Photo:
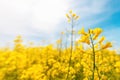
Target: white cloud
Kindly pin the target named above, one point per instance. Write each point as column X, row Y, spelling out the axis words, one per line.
column 30, row 18
column 47, row 14
column 14, row 16
column 21, row 16
column 41, row 18
column 90, row 7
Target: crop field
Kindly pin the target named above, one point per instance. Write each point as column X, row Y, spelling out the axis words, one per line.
column 87, row 57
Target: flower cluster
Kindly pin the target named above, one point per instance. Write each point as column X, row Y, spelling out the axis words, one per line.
column 79, row 62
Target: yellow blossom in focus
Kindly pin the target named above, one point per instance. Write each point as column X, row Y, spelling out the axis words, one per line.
column 96, row 32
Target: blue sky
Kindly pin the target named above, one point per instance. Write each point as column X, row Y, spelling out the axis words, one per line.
column 38, row 20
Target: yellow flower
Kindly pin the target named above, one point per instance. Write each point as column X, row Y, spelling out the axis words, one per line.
column 77, row 65
column 62, row 33
column 31, row 43
column 68, row 16
column 69, row 20
column 103, row 77
column 73, row 15
column 96, row 32
column 85, row 39
column 58, row 41
column 70, row 11
column 18, row 39
column 117, row 64
column 90, row 31
column 85, row 78
column 101, row 39
column 107, row 45
column 77, row 17
column 82, row 31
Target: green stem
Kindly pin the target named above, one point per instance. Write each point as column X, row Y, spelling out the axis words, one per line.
column 98, row 73
column 70, row 52
column 93, row 49
column 60, row 50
